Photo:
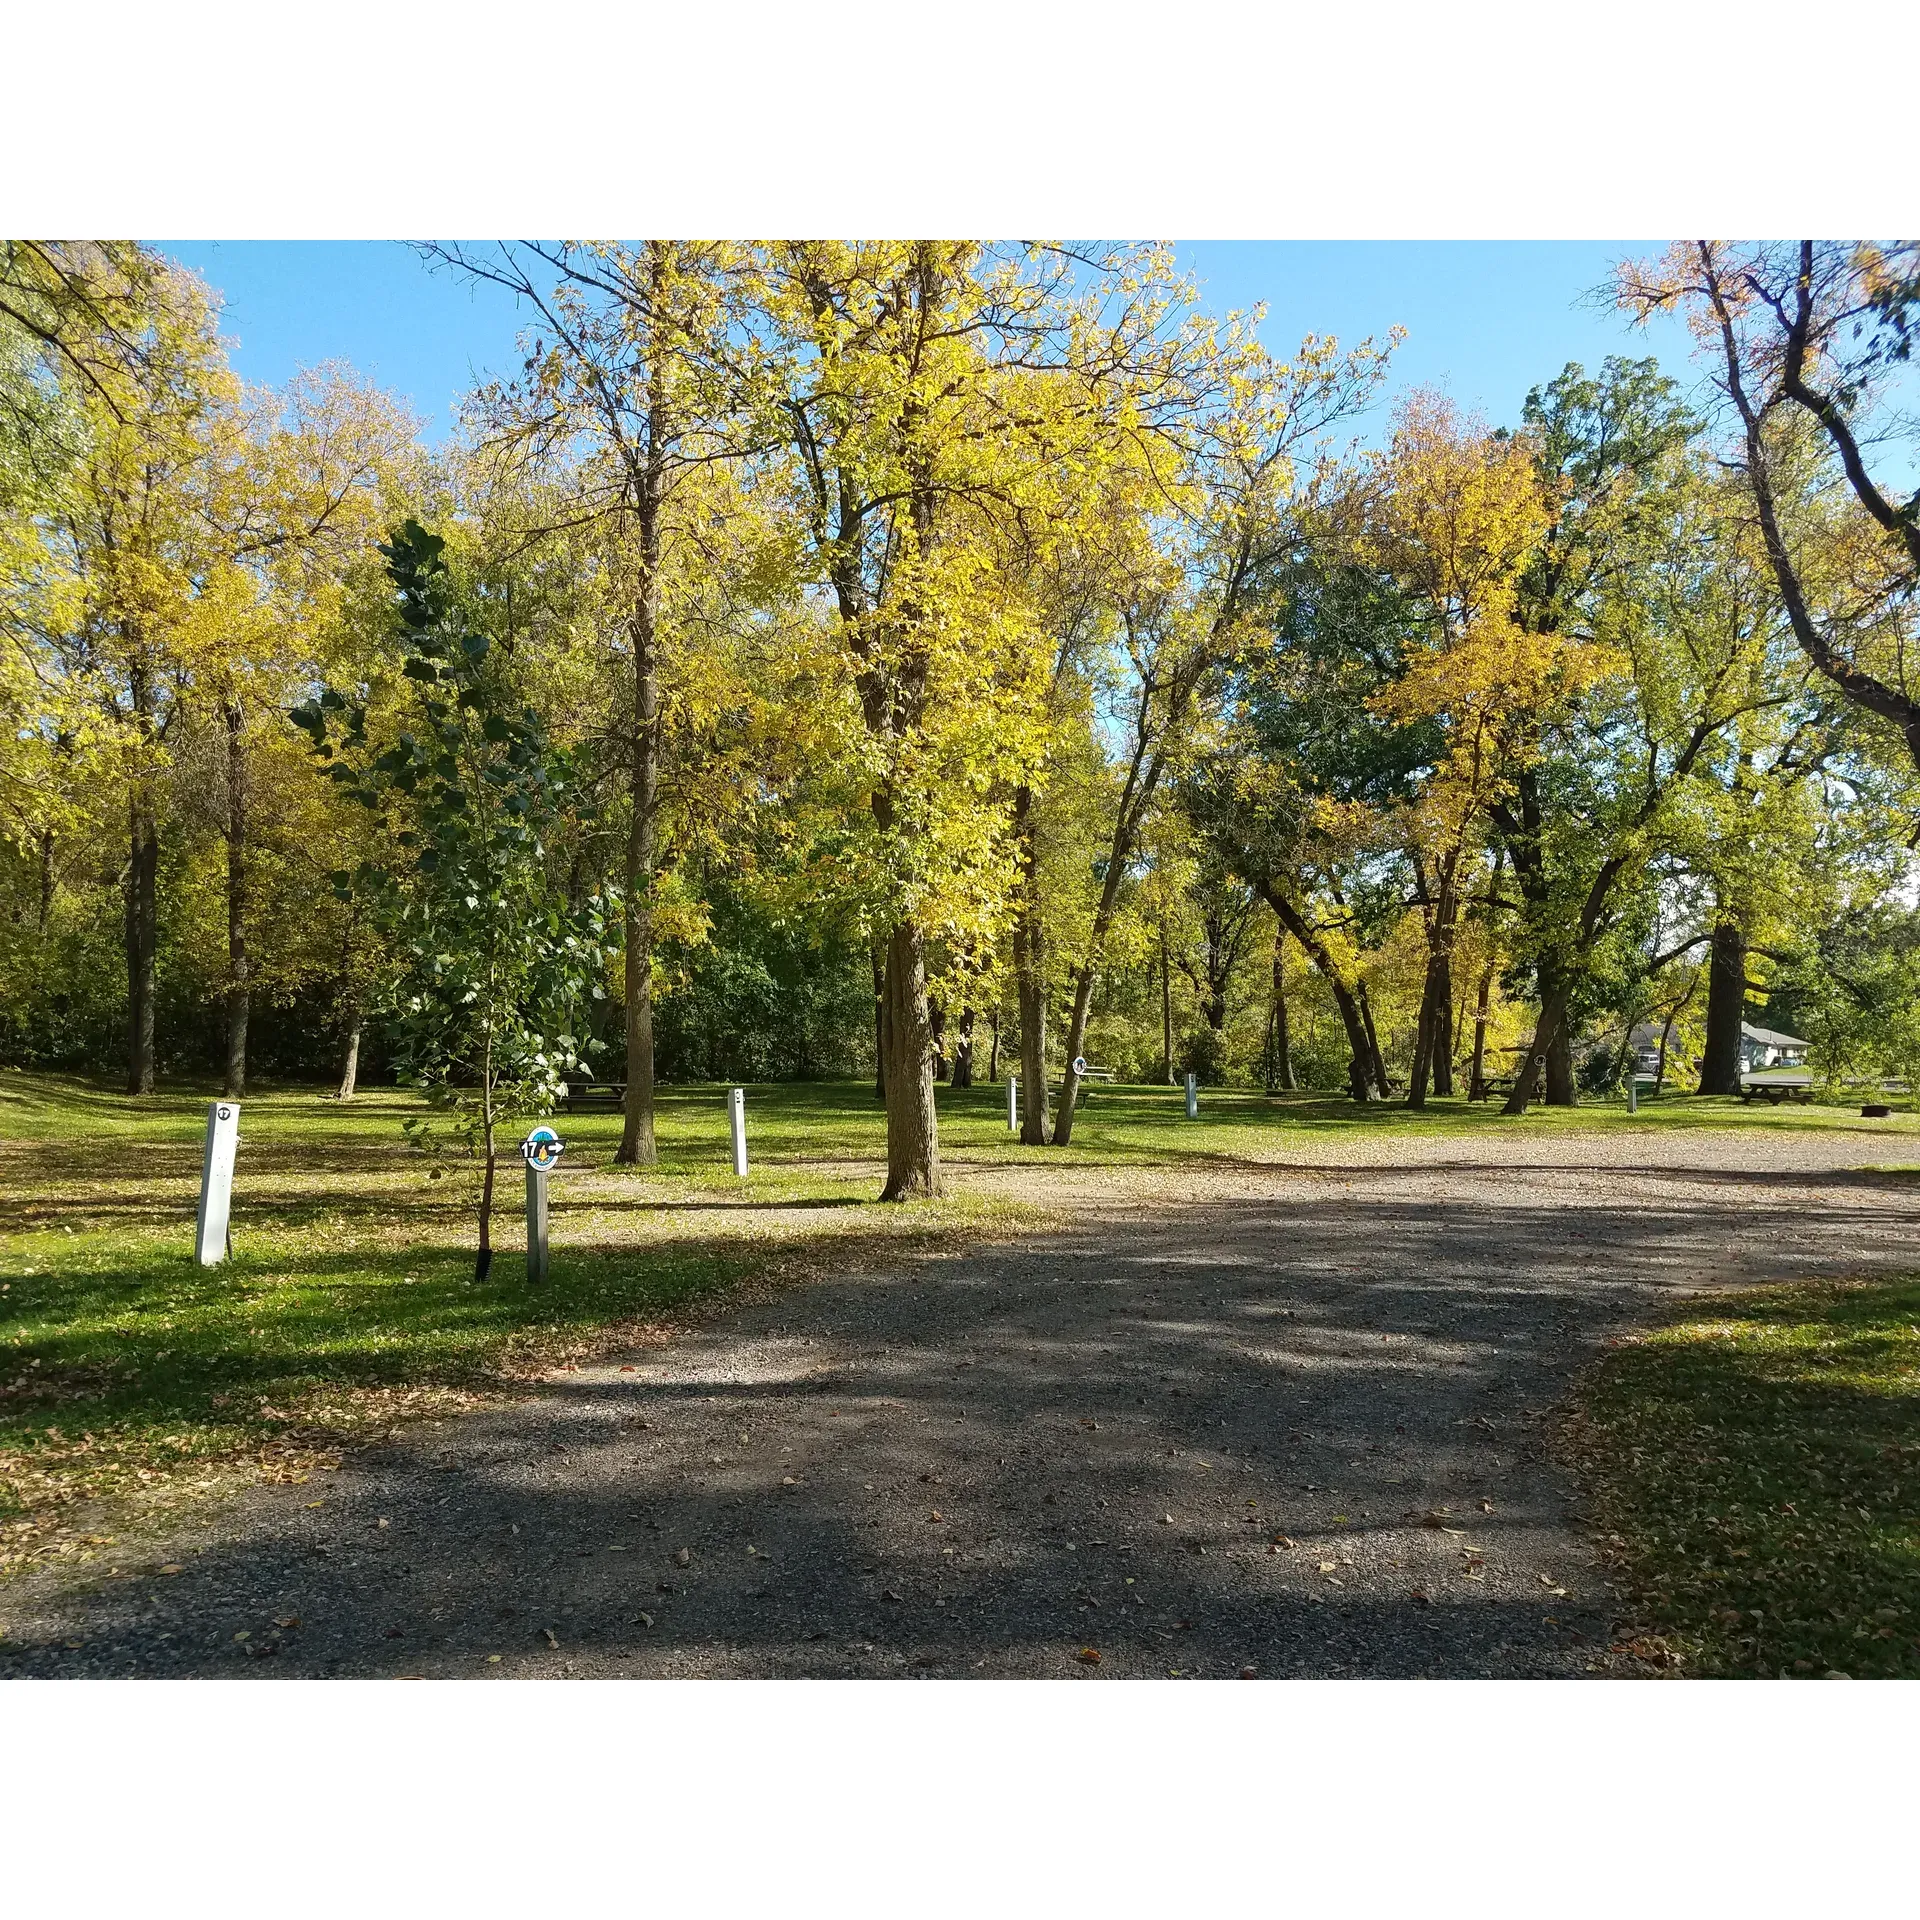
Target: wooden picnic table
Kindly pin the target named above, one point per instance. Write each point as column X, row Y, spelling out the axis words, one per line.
column 1775, row 1084
column 596, row 1096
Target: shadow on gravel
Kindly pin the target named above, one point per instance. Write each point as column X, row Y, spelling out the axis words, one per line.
column 1295, row 1434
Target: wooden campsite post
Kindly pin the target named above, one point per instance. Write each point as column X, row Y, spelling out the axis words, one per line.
column 541, row 1150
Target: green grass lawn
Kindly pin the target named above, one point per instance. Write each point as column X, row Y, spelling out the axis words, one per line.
column 1757, row 1468
column 129, row 1375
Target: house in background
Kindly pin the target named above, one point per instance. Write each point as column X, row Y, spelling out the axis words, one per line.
column 1761, row 1051
column 1761, row 1047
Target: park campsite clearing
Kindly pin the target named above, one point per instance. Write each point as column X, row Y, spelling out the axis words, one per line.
column 1279, row 1391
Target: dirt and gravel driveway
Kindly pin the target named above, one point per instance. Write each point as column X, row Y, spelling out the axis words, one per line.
column 1285, row 1420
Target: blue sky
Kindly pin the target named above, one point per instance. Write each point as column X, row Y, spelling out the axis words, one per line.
column 1486, row 320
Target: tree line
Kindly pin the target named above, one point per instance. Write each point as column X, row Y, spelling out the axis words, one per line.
column 945, row 658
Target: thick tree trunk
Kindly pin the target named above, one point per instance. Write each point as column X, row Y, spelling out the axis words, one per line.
column 637, row 1146
column 1076, row 1043
column 350, row 1063
column 1036, row 1114
column 1477, row 1073
column 1547, row 1032
column 1423, row 1039
column 1560, row 1090
column 483, row 1257
column 142, row 925
column 1166, row 1010
column 1440, row 1052
column 1726, row 1009
column 963, row 1050
column 1029, row 960
column 1136, row 794
column 1375, row 1058
column 238, row 986
column 46, row 878
column 1360, row 1054
column 913, row 1128
column 1483, row 1003
column 937, row 1034
column 1433, row 1040
column 1281, row 1075
column 650, row 476
column 1361, row 1084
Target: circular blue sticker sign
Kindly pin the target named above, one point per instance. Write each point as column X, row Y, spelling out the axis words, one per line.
column 542, row 1148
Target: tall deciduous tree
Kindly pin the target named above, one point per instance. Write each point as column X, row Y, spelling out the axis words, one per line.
column 945, row 400
column 131, row 546
column 639, row 355
column 1458, row 516
column 1815, row 334
column 496, row 958
column 1255, row 453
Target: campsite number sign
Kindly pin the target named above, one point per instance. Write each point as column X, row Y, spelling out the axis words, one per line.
column 541, row 1150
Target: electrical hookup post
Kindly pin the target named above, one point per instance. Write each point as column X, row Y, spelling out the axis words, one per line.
column 737, row 1118
column 212, row 1234
column 1193, row 1096
column 541, row 1150
column 1013, row 1103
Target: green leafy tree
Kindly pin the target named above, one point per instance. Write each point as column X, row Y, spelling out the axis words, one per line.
column 494, row 959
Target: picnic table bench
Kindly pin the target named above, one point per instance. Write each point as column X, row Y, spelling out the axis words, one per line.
column 1776, row 1085
column 1103, row 1074
column 596, row 1096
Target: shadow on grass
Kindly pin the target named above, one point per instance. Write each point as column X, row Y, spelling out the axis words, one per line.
column 150, row 1340
column 1762, row 1462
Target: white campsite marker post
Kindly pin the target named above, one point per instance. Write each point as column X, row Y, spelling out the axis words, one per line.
column 541, row 1150
column 1013, row 1103
column 1633, row 1094
column 1193, row 1096
column 210, row 1233
column 737, row 1115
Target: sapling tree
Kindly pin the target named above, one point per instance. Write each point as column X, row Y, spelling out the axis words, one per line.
column 493, row 961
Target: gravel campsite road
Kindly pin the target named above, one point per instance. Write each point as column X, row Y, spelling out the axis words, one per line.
column 1281, row 1420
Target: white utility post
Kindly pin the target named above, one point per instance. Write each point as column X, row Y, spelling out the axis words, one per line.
column 1633, row 1094
column 1013, row 1103
column 210, row 1234
column 737, row 1113
column 1193, row 1096
column 541, row 1150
